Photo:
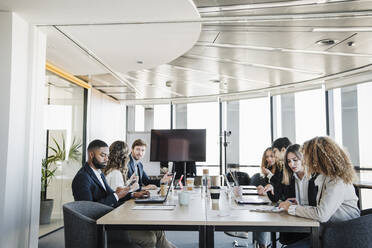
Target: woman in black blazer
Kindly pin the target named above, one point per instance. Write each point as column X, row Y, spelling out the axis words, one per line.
column 296, row 186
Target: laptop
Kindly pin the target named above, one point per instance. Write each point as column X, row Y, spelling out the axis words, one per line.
column 256, row 200
column 157, row 198
column 250, row 192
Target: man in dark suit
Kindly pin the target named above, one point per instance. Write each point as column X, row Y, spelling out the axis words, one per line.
column 89, row 184
column 135, row 166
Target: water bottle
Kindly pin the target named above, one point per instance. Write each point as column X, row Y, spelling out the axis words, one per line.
column 205, row 182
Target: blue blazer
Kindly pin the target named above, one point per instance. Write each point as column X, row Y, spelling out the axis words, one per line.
column 86, row 187
column 143, row 178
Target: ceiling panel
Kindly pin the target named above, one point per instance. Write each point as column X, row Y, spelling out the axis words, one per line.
column 268, row 8
column 264, row 50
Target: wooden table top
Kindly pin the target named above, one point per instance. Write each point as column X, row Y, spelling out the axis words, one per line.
column 241, row 214
column 193, row 214
column 200, row 211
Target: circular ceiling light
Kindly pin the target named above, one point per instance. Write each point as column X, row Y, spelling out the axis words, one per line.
column 325, row 42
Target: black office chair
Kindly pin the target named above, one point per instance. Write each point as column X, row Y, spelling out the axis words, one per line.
column 257, row 179
column 351, row 233
column 80, row 226
column 242, row 177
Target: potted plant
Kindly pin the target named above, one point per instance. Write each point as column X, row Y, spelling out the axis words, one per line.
column 48, row 173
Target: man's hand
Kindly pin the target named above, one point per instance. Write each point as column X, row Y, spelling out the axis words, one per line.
column 149, row 187
column 121, row 192
column 268, row 188
column 141, row 194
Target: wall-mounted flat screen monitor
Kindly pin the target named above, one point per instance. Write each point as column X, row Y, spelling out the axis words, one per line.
column 178, row 145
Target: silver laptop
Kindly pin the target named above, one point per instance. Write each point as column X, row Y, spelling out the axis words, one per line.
column 157, row 198
column 257, row 200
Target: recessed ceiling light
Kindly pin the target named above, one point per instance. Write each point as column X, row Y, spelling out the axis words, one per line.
column 325, row 42
column 216, row 81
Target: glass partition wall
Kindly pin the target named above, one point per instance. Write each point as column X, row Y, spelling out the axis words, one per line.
column 64, row 122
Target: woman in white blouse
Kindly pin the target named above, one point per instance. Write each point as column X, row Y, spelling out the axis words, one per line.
column 116, row 169
column 336, row 199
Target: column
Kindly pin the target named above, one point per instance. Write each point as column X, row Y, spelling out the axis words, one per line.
column 22, row 146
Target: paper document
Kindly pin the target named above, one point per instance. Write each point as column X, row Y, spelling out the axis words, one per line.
column 267, row 209
column 155, row 207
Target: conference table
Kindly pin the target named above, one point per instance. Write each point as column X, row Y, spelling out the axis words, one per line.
column 205, row 216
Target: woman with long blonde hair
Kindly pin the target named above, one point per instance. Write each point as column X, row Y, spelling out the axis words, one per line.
column 336, row 199
column 268, row 168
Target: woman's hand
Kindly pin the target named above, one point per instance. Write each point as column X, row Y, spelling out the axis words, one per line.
column 266, row 171
column 260, row 190
column 268, row 188
column 287, row 203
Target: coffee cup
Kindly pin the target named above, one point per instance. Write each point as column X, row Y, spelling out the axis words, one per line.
column 215, row 192
column 190, row 183
column 216, row 180
column 163, row 189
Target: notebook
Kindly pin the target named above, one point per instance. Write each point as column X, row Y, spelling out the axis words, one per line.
column 157, row 198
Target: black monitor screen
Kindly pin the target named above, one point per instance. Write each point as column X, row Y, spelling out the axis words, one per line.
column 178, row 145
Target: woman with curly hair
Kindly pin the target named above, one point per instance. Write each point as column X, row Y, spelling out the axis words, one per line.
column 116, row 169
column 336, row 199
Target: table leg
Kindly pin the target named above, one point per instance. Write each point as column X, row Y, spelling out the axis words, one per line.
column 273, row 239
column 102, row 237
column 315, row 242
column 210, row 236
column 202, row 237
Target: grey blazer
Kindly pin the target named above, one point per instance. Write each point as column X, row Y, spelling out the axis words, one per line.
column 336, row 201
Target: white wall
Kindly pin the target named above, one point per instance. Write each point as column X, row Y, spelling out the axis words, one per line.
column 106, row 118
column 22, row 144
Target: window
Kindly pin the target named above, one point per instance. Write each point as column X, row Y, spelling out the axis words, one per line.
column 205, row 115
column 309, row 115
column 162, row 116
column 254, row 130
column 139, row 118
column 365, row 123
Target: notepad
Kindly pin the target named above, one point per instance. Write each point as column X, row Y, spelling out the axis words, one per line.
column 267, row 209
column 155, row 207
